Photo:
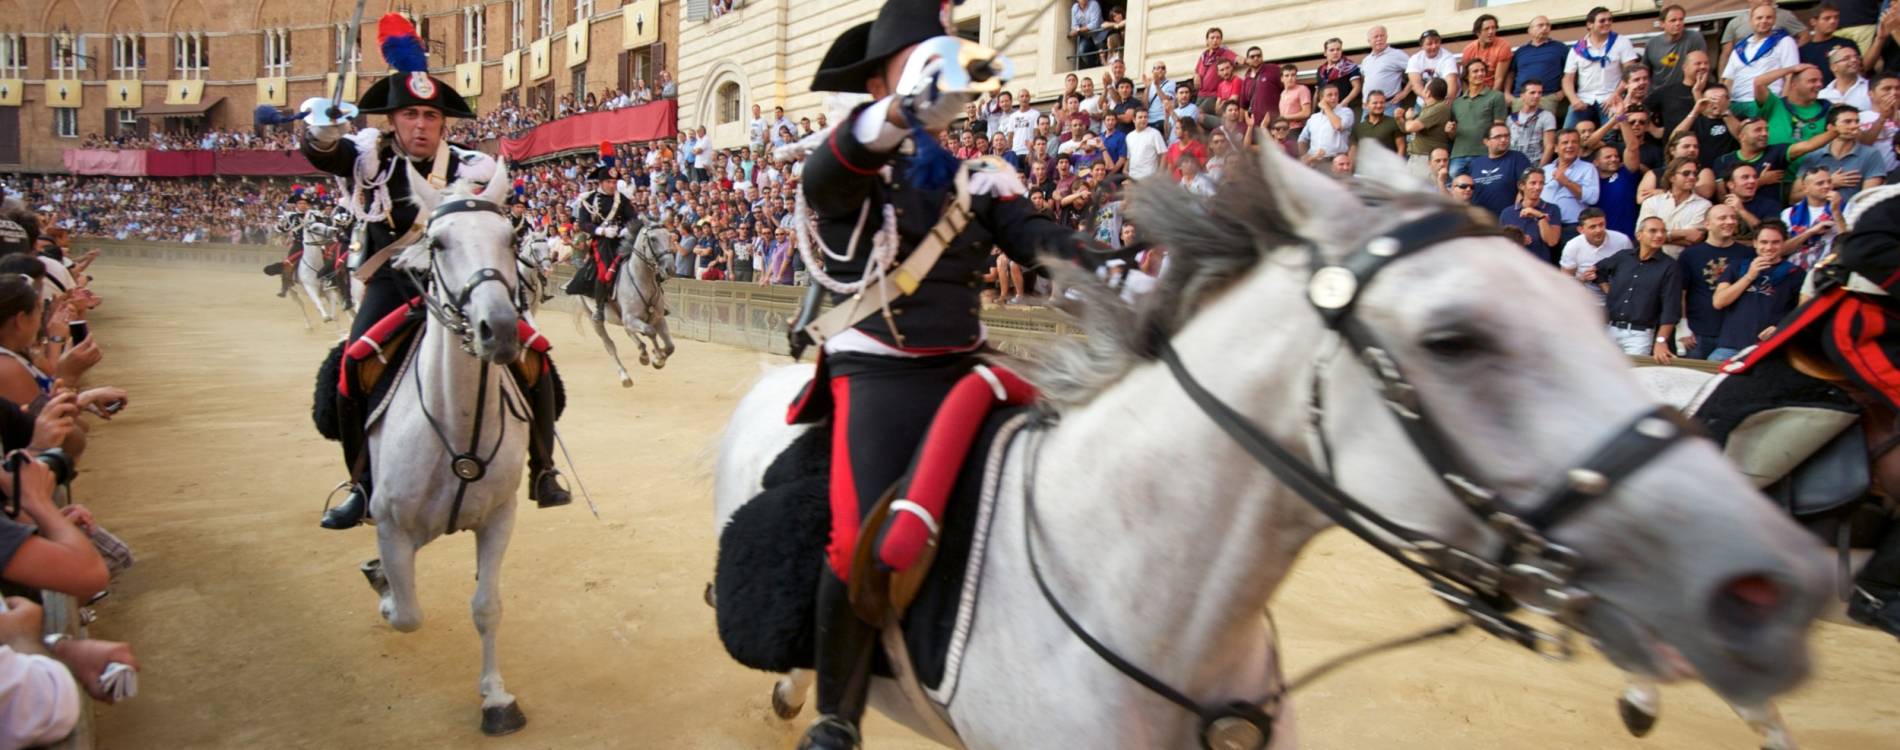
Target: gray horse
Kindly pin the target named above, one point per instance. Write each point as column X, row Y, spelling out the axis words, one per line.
column 639, row 302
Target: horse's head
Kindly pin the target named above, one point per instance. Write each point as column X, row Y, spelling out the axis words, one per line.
column 1462, row 386
column 468, row 245
column 650, row 246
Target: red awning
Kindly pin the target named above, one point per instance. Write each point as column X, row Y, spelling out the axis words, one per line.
column 647, row 122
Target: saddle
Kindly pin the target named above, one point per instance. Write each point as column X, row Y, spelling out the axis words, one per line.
column 360, row 368
column 772, row 551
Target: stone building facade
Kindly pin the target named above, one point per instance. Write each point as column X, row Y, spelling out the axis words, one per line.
column 113, row 54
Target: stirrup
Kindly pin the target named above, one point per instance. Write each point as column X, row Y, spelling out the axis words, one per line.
column 542, row 501
column 833, row 723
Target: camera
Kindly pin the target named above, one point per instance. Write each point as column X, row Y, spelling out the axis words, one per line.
column 55, row 460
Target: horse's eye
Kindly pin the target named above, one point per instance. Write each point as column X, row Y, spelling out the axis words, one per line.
column 1453, row 344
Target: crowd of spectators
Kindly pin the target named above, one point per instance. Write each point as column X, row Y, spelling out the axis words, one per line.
column 47, row 546
column 511, row 119
column 239, row 210
column 263, row 139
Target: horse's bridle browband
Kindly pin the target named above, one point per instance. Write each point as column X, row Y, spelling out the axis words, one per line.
column 1530, row 570
column 449, row 312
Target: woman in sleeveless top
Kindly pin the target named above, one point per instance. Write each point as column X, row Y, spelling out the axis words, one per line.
column 21, row 310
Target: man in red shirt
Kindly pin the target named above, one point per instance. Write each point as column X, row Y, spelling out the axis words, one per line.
column 1260, row 89
column 1207, row 68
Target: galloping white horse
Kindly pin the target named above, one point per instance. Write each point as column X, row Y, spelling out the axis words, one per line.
column 1683, row 568
column 639, row 302
column 310, row 269
column 1641, row 701
column 448, row 452
column 535, row 260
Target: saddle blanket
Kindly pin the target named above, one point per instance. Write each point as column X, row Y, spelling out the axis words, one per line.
column 772, row 554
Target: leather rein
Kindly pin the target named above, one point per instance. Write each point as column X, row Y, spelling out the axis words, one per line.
column 1530, row 570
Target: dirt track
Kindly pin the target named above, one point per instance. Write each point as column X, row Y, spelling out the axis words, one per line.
column 255, row 630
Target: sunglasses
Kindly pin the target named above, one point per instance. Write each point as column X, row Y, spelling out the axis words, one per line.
column 1461, row 186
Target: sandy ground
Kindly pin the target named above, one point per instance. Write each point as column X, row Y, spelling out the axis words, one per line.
column 255, row 630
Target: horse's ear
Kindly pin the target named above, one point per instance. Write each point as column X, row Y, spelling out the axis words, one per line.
column 426, row 196
column 1384, row 166
column 498, row 187
column 1316, row 205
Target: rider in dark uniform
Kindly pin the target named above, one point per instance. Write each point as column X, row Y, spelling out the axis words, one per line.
column 518, row 218
column 291, row 226
column 1845, row 332
column 886, row 374
column 606, row 217
column 417, row 106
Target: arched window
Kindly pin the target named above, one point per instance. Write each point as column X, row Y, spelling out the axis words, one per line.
column 728, row 99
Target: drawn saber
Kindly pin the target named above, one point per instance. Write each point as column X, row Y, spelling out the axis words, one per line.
column 573, row 469
column 334, row 110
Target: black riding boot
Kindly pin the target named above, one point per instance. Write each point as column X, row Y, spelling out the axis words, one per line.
column 1876, row 600
column 844, row 669
column 355, row 441
column 544, row 485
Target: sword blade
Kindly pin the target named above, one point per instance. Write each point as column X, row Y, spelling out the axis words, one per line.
column 576, row 472
column 347, row 64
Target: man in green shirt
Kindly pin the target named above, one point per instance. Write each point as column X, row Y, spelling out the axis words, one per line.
column 1798, row 113
column 1473, row 113
column 1427, row 129
column 1376, row 125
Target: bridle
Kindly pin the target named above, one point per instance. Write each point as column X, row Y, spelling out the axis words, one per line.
column 468, row 465
column 448, row 311
column 1530, row 570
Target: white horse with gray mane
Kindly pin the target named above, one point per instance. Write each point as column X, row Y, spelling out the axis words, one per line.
column 310, row 269
column 447, row 453
column 1641, row 701
column 639, row 301
column 1680, row 568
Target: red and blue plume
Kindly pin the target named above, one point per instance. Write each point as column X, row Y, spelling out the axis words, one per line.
column 401, row 48
column 606, row 153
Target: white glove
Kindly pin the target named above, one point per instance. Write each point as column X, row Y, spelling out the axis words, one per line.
column 323, row 136
column 610, row 231
column 932, row 108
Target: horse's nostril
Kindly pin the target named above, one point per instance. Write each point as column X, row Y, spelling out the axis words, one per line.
column 484, row 331
column 1748, row 601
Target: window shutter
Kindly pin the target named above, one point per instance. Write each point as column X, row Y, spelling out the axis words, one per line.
column 698, row 10
column 656, row 60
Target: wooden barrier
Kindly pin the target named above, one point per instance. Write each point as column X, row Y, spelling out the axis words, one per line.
column 721, row 312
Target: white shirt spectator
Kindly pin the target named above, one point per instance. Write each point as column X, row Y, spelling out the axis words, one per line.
column 1445, row 65
column 702, row 153
column 39, row 700
column 1579, row 254
column 1570, row 204
column 1597, row 80
column 1021, row 126
column 1146, row 147
column 1870, row 119
column 755, row 132
column 1689, row 214
column 1741, row 76
column 1855, row 96
column 1385, row 71
column 1319, row 134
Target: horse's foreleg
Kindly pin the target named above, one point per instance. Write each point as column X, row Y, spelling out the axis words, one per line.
column 399, row 605
column 301, row 310
column 500, row 713
column 636, row 327
column 665, row 341
column 1639, row 705
column 1765, row 719
column 316, row 298
column 600, row 327
column 788, row 694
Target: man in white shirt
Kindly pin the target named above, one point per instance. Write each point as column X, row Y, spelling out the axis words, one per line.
column 1769, row 48
column 755, row 132
column 1146, row 147
column 1594, row 67
column 1594, row 242
column 1879, row 124
column 702, row 156
column 1329, row 131
column 1384, row 69
column 1570, row 181
column 1432, row 61
column 1849, row 87
column 1021, row 124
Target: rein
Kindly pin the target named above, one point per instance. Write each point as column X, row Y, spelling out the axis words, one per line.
column 1530, row 571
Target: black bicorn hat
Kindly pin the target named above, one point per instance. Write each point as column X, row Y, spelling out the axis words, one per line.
column 863, row 48
column 410, row 85
column 602, row 173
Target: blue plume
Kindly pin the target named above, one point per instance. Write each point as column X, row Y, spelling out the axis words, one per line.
column 401, row 49
column 269, row 115
column 932, row 167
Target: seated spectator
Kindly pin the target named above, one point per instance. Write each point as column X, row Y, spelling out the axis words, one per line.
column 1534, row 217
column 1682, row 212
column 1756, row 296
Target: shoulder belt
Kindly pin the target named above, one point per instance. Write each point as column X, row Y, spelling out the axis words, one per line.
column 903, row 280
column 438, row 177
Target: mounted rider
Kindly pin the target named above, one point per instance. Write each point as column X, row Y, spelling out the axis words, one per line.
column 370, row 165
column 878, row 182
column 1845, row 332
column 291, row 225
column 606, row 217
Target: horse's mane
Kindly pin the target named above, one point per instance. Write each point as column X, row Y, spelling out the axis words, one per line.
column 1211, row 242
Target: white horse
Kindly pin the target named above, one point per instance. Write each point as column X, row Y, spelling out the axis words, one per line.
column 639, row 301
column 1641, row 701
column 1687, row 570
column 447, row 454
column 535, row 261
column 310, row 269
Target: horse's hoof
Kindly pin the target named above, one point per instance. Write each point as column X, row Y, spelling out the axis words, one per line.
column 659, row 364
column 1635, row 719
column 626, row 381
column 373, row 570
column 783, row 708
column 501, row 720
